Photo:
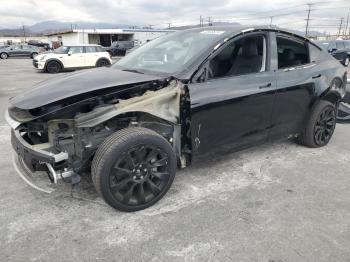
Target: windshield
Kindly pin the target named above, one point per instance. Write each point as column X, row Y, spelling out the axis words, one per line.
column 61, row 50
column 171, row 53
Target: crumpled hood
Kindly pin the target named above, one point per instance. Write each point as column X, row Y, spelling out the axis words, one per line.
column 77, row 83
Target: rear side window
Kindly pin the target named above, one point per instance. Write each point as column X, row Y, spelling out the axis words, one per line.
column 291, row 52
column 314, row 53
column 90, row 49
column 99, row 49
column 76, row 49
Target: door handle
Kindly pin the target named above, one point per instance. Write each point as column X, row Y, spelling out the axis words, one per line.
column 316, row 76
column 265, row 86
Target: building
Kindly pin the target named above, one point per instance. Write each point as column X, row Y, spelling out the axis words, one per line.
column 105, row 37
column 21, row 39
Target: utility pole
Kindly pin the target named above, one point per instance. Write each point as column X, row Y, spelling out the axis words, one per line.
column 345, row 32
column 340, row 26
column 308, row 19
column 271, row 18
column 210, row 23
column 24, row 33
column 200, row 21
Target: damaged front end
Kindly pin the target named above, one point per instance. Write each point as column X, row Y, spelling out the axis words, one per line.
column 60, row 139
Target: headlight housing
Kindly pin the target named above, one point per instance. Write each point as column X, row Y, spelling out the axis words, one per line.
column 43, row 57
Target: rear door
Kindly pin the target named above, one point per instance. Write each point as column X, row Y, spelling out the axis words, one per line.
column 296, row 77
column 91, row 55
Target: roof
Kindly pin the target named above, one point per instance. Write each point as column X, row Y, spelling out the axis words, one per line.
column 237, row 29
column 83, row 45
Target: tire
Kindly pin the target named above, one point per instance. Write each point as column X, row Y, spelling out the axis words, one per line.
column 346, row 61
column 53, row 67
column 102, row 62
column 4, row 55
column 320, row 126
column 133, row 169
column 33, row 55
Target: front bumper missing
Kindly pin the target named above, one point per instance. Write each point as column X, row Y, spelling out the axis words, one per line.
column 27, row 154
column 37, row 180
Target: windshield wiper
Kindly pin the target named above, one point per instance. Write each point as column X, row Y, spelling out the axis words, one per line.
column 133, row 71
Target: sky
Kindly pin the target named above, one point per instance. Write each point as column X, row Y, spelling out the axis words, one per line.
column 325, row 15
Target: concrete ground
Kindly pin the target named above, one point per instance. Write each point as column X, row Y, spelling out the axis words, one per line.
column 277, row 202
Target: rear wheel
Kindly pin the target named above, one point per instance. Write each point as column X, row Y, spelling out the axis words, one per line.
column 133, row 169
column 33, row 55
column 321, row 125
column 4, row 55
column 102, row 62
column 53, row 67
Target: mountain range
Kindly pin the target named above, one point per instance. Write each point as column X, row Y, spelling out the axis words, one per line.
column 55, row 26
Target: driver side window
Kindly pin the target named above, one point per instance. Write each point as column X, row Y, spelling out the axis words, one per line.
column 243, row 56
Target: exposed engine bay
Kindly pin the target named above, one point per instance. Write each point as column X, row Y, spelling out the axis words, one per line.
column 76, row 127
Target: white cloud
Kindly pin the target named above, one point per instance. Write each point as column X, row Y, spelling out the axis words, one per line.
column 326, row 16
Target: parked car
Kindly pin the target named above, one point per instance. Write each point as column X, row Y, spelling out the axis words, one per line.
column 344, row 107
column 176, row 99
column 72, row 57
column 340, row 49
column 119, row 48
column 45, row 46
column 3, row 46
column 19, row 51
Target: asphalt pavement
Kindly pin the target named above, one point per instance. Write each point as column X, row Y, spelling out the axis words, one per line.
column 276, row 202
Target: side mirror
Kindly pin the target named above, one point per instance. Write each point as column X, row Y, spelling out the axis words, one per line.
column 70, row 53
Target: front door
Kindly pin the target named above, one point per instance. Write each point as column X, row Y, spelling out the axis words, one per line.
column 233, row 108
column 75, row 57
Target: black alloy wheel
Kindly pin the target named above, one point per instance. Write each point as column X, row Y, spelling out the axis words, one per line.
column 133, row 168
column 325, row 126
column 320, row 125
column 53, row 67
column 140, row 175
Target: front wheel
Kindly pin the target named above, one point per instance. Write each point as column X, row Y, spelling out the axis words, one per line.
column 53, row 67
column 321, row 125
column 133, row 169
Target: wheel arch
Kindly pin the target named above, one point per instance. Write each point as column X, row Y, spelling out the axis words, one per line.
column 156, row 110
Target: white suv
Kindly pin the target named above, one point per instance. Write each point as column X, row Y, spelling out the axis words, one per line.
column 72, row 57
